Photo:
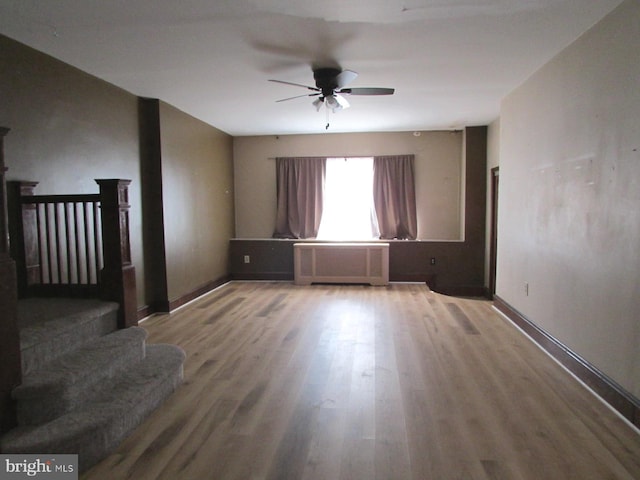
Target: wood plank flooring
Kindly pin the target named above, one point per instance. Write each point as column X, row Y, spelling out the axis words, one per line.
column 353, row 382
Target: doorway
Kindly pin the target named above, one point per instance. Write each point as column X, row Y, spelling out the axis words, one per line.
column 493, row 246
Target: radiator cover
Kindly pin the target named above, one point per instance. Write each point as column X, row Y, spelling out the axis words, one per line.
column 341, row 263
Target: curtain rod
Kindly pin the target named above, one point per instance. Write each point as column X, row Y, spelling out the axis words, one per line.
column 347, row 156
column 309, row 156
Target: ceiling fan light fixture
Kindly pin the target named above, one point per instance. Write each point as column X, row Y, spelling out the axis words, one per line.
column 332, row 103
column 318, row 103
column 336, row 102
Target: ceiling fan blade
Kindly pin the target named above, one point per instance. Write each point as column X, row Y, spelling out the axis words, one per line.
column 299, row 96
column 296, row 85
column 367, row 91
column 345, row 77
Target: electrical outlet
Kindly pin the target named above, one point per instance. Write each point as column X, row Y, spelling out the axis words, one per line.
column 247, row 259
column 433, row 260
column 526, row 289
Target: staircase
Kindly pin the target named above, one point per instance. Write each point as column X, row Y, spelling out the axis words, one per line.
column 86, row 385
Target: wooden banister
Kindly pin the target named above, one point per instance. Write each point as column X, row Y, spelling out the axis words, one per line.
column 10, row 370
column 58, row 247
column 75, row 245
column 118, row 278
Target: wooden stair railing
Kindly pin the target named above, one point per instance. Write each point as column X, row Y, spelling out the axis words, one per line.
column 10, row 371
column 75, row 245
column 60, row 251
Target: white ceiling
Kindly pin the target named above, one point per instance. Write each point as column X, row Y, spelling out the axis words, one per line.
column 450, row 61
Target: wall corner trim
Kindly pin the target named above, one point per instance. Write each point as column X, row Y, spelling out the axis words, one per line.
column 626, row 404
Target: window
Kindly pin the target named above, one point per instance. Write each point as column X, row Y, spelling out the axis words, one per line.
column 346, row 198
column 348, row 212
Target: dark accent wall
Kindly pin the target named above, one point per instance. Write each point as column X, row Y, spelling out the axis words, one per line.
column 270, row 259
column 459, row 265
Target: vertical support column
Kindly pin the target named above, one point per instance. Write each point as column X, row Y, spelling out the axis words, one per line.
column 156, row 290
column 118, row 278
column 23, row 224
column 10, row 370
column 475, row 205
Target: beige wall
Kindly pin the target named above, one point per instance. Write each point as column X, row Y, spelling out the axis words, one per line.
column 68, row 128
column 569, row 222
column 438, row 175
column 197, row 189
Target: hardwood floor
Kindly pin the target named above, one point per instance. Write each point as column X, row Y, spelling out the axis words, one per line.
column 354, row 382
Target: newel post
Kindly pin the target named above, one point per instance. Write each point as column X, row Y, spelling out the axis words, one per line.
column 10, row 371
column 118, row 277
column 23, row 226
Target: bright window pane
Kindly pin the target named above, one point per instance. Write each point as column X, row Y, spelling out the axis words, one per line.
column 348, row 212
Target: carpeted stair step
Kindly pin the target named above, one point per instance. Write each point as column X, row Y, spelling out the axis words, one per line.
column 50, row 327
column 71, row 380
column 95, row 430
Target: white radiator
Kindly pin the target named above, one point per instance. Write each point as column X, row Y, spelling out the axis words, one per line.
column 341, row 263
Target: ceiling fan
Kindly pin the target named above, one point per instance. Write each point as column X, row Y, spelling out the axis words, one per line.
column 330, row 88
